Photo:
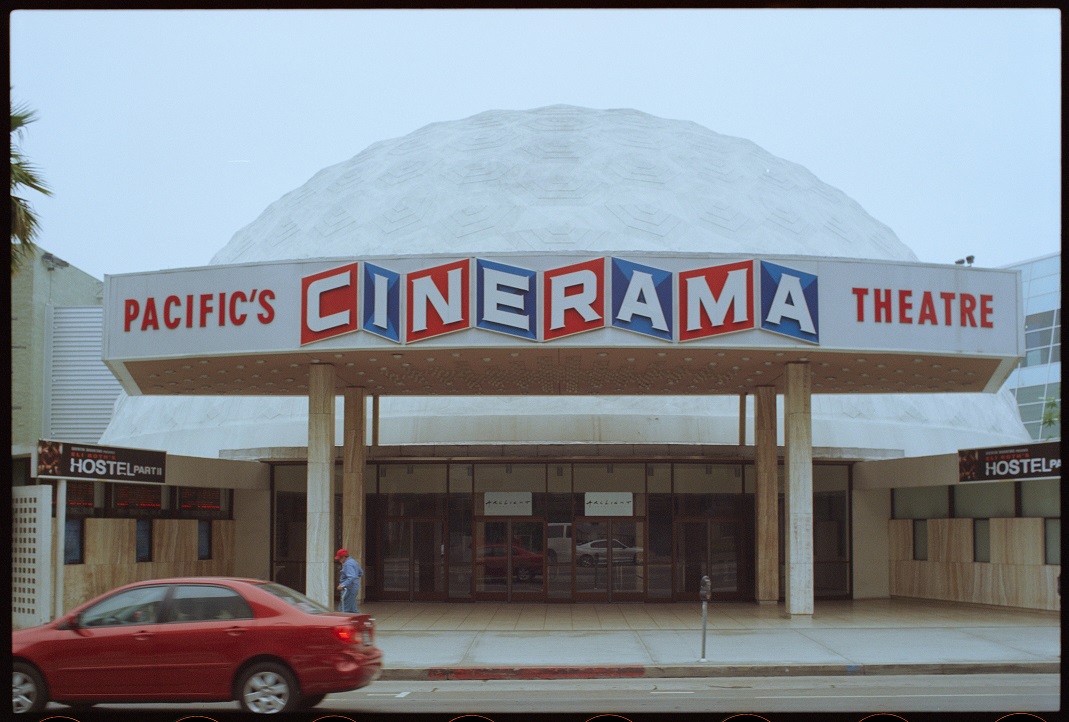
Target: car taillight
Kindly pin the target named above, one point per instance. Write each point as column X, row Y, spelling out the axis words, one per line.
column 345, row 634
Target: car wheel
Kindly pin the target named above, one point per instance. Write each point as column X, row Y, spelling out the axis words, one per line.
column 311, row 701
column 523, row 574
column 267, row 688
column 586, row 561
column 28, row 693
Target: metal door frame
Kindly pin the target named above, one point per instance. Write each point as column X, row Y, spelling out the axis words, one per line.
column 509, row 595
column 609, row 595
column 412, row 595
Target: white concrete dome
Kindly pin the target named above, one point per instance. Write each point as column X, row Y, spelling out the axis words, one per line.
column 563, row 178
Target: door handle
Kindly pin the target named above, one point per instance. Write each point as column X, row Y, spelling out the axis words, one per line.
column 235, row 631
column 143, row 635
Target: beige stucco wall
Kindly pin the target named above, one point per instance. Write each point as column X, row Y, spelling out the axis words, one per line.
column 871, row 511
column 252, row 533
column 938, row 470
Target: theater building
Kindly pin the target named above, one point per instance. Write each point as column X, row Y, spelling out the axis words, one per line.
column 576, row 355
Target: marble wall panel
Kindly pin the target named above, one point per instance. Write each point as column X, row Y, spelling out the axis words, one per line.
column 900, row 539
column 110, row 541
column 174, row 540
column 1017, row 541
column 110, row 553
column 1026, row 586
column 950, row 540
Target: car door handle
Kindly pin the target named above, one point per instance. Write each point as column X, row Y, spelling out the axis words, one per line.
column 143, row 635
column 235, row 631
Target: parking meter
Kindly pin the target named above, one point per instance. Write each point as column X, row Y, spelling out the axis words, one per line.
column 707, row 589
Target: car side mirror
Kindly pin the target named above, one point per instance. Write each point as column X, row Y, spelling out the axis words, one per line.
column 72, row 622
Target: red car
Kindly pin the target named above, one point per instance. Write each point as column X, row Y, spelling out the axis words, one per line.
column 197, row 639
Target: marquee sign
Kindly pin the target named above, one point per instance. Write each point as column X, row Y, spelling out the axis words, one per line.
column 700, row 300
column 1011, row 463
column 65, row 460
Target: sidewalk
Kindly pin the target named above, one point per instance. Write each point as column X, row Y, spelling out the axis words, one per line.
column 423, row 641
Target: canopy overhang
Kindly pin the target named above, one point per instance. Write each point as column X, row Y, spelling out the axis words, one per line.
column 564, row 325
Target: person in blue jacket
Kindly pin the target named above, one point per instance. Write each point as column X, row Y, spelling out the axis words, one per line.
column 349, row 582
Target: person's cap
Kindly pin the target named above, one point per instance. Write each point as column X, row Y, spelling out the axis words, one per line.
column 341, row 553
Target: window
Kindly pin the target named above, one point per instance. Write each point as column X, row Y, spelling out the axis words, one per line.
column 295, row 598
column 984, row 500
column 144, row 540
column 1037, row 339
column 1038, row 321
column 73, row 542
column 133, row 606
column 1036, row 357
column 204, row 539
column 1052, row 530
column 1041, row 497
column 1030, row 394
column 921, row 502
column 981, row 540
column 920, row 540
column 206, row 602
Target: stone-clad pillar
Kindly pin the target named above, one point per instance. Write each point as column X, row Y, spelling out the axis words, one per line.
column 354, row 466
column 319, row 556
column 798, row 496
column 766, row 495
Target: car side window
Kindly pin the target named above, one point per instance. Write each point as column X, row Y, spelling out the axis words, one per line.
column 207, row 602
column 132, row 606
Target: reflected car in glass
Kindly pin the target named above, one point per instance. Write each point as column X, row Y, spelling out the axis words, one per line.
column 596, row 552
column 196, row 639
column 496, row 559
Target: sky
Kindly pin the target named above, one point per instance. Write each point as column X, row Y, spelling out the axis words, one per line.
column 163, row 133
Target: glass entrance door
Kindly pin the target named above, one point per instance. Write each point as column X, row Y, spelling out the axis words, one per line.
column 709, row 547
column 609, row 559
column 509, row 559
column 413, row 560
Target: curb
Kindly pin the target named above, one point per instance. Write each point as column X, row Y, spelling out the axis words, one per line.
column 691, row 670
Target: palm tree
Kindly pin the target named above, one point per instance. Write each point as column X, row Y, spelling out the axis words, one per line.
column 1052, row 416
column 24, row 224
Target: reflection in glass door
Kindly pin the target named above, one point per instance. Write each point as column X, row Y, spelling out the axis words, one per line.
column 708, row 547
column 609, row 559
column 509, row 560
column 413, row 560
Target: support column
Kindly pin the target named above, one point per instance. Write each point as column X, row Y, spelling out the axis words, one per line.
column 742, row 419
column 798, row 496
column 375, row 420
column 319, row 556
column 766, row 497
column 59, row 548
column 354, row 467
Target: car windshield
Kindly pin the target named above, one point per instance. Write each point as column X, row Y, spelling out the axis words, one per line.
column 295, row 598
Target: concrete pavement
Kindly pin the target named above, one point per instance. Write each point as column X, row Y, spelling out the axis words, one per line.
column 546, row 641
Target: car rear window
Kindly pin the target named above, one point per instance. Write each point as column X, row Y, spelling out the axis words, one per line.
column 295, row 598
column 204, row 602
